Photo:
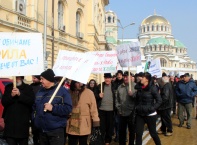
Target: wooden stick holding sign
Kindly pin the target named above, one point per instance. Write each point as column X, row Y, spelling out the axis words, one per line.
column 129, row 79
column 14, row 81
column 58, row 87
column 101, row 83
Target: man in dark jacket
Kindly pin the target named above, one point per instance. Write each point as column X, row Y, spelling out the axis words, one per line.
column 125, row 104
column 165, row 108
column 186, row 90
column 119, row 80
column 106, row 107
column 51, row 122
column 17, row 104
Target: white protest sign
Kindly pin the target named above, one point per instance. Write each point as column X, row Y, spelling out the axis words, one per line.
column 129, row 54
column 106, row 63
column 74, row 65
column 21, row 54
column 84, row 70
column 155, row 68
column 67, row 62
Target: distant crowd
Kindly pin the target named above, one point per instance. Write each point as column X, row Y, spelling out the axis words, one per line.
column 118, row 108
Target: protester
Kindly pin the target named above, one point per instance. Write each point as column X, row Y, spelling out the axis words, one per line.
column 165, row 108
column 173, row 86
column 36, row 85
column 106, row 107
column 83, row 113
column 125, row 104
column 92, row 85
column 148, row 101
column 51, row 122
column 17, row 104
column 186, row 90
column 119, row 80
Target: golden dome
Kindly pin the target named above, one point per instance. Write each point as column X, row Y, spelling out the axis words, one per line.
column 155, row 19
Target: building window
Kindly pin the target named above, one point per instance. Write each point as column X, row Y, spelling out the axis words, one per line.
column 147, row 28
column 78, row 21
column 152, row 28
column 159, row 47
column 157, row 28
column 165, row 28
column 151, row 49
column 113, row 19
column 109, row 19
column 175, row 65
column 163, row 62
column 60, row 14
column 161, row 28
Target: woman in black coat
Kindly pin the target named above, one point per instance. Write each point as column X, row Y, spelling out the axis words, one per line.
column 17, row 104
column 148, row 101
column 92, row 85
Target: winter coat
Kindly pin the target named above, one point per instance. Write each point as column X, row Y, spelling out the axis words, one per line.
column 57, row 118
column 167, row 97
column 84, row 115
column 113, row 92
column 186, row 91
column 36, row 87
column 117, row 83
column 17, row 111
column 148, row 100
column 124, row 102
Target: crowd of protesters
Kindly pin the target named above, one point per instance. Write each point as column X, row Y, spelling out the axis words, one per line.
column 119, row 107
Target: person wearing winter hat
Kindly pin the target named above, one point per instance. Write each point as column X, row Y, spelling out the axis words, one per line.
column 106, row 105
column 52, row 123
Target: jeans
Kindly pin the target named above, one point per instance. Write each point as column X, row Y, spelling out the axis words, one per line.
column 188, row 108
column 166, row 122
column 55, row 137
column 151, row 123
column 75, row 139
column 17, row 141
column 106, row 124
column 124, row 122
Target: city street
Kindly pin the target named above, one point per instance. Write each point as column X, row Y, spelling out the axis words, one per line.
column 181, row 136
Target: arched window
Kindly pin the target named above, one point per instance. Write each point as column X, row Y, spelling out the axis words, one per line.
column 159, row 47
column 152, row 28
column 157, row 28
column 147, row 28
column 161, row 28
column 109, row 19
column 60, row 14
column 144, row 29
column 113, row 19
column 165, row 28
column 151, row 49
column 163, row 62
column 78, row 22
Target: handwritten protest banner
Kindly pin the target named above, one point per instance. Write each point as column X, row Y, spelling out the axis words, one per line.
column 21, row 54
column 129, row 54
column 74, row 65
column 106, row 63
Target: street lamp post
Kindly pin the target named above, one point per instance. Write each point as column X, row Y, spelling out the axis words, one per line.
column 124, row 28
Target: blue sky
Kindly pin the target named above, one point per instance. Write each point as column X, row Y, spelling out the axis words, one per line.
column 182, row 16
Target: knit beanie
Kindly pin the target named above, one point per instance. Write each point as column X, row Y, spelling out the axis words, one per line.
column 48, row 75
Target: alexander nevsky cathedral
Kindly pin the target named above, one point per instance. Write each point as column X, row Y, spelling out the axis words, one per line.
column 157, row 41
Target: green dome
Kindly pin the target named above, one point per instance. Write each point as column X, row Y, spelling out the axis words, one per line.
column 157, row 41
column 110, row 39
column 178, row 44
